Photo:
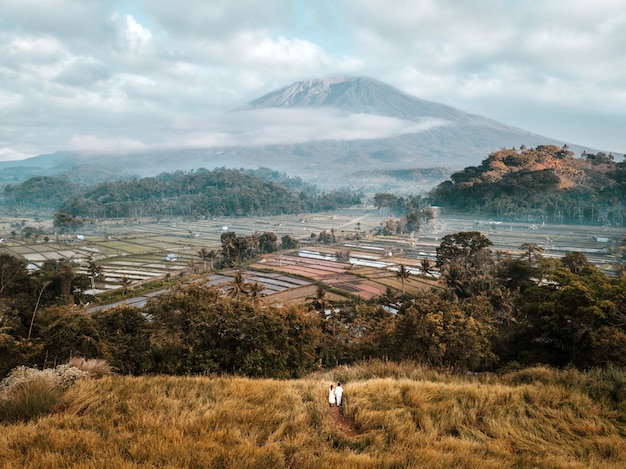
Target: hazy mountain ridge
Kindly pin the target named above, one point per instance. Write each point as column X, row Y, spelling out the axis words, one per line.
column 443, row 137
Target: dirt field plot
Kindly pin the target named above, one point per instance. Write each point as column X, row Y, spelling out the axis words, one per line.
column 365, row 282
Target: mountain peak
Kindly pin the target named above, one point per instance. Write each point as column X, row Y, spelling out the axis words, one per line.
column 358, row 95
column 308, row 93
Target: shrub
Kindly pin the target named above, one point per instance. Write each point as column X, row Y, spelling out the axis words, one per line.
column 27, row 393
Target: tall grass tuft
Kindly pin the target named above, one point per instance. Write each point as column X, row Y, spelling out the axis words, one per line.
column 27, row 393
column 96, row 368
column 29, row 399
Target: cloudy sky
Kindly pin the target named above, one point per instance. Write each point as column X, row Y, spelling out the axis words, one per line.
column 141, row 74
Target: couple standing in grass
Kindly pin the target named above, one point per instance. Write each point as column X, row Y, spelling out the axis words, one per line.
column 335, row 395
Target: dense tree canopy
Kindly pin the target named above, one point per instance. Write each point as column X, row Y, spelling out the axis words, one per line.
column 221, row 192
column 543, row 184
column 40, row 193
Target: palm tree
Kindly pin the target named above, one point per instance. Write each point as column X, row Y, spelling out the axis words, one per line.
column 212, row 256
column 239, row 286
column 390, row 297
column 319, row 301
column 255, row 289
column 203, row 254
column 427, row 267
column 125, row 283
column 403, row 274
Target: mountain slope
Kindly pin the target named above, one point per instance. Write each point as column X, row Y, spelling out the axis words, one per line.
column 321, row 130
column 358, row 94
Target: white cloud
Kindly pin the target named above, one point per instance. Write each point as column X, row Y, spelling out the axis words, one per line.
column 128, row 73
column 90, row 143
column 135, row 38
column 270, row 126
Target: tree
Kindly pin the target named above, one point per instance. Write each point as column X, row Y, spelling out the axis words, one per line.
column 196, row 330
column 385, row 200
column 465, row 247
column 412, row 221
column 203, row 254
column 239, row 286
column 440, row 333
column 531, row 250
column 73, row 334
column 212, row 256
column 402, row 273
column 390, row 297
column 287, row 242
column 319, row 301
column 255, row 290
column 268, row 243
column 13, row 275
column 125, row 284
column 575, row 262
column 94, row 271
column 325, row 237
column 427, row 267
column 66, row 222
column 464, row 259
column 125, row 332
column 63, row 281
column 573, row 319
column 229, row 246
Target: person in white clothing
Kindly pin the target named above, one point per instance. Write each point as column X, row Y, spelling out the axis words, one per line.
column 331, row 396
column 338, row 394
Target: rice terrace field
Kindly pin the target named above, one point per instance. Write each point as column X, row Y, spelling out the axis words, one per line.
column 145, row 249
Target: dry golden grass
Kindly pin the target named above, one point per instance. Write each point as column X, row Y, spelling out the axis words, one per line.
column 403, row 416
column 95, row 367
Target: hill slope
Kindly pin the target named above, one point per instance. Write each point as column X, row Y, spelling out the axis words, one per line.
column 545, row 184
column 531, row 418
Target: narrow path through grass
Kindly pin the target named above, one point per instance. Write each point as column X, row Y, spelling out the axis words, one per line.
column 341, row 422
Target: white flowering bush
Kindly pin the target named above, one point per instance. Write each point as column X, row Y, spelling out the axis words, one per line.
column 61, row 377
column 27, row 393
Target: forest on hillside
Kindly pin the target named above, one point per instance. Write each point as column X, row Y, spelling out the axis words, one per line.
column 545, row 184
column 490, row 311
column 220, row 192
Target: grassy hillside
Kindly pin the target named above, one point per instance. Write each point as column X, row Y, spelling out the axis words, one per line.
column 395, row 416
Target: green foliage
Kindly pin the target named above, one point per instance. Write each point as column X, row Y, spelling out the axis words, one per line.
column 574, row 318
column 67, row 222
column 125, row 332
column 221, row 192
column 199, row 330
column 73, row 334
column 288, row 242
column 39, row 193
column 464, row 260
column 268, row 243
column 436, row 332
column 489, row 310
